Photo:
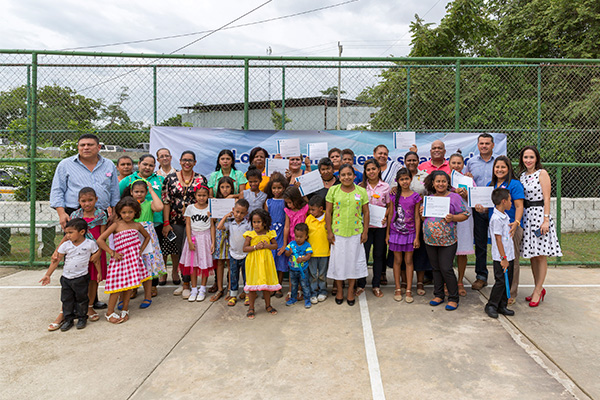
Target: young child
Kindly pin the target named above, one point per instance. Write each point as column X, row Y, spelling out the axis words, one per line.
column 196, row 256
column 75, row 278
column 503, row 253
column 261, row 274
column 464, row 229
column 254, row 196
column 403, row 230
column 225, row 189
column 275, row 205
column 295, row 210
column 317, row 237
column 235, row 223
column 152, row 256
column 347, row 223
column 125, row 270
column 299, row 251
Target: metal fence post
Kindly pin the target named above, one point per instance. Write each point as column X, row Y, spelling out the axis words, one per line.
column 457, row 97
column 32, row 156
column 539, row 106
column 154, row 92
column 408, row 97
column 283, row 98
column 559, row 204
column 246, row 92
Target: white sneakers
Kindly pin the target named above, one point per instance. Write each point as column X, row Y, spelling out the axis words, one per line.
column 314, row 300
column 321, row 297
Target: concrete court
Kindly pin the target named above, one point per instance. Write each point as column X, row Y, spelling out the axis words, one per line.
column 181, row 350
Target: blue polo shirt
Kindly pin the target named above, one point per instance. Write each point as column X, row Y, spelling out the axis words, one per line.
column 517, row 192
column 480, row 169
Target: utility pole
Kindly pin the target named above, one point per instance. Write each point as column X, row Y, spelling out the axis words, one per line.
column 339, row 89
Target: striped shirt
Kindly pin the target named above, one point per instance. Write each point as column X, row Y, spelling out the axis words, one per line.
column 71, row 176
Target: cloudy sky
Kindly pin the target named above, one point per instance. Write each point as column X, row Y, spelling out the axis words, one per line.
column 365, row 27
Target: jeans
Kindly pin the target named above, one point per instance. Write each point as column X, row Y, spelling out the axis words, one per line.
column 481, row 223
column 441, row 258
column 376, row 239
column 295, row 279
column 498, row 296
column 74, row 297
column 235, row 266
column 318, row 275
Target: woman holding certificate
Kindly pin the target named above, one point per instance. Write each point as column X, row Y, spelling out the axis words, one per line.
column 258, row 157
column 441, row 211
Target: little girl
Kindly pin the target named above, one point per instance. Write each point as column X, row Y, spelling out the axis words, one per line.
column 225, row 189
column 403, row 230
column 200, row 244
column 296, row 209
column 275, row 206
column 152, row 257
column 125, row 271
column 261, row 274
column 464, row 229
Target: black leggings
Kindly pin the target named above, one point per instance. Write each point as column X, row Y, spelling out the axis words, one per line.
column 376, row 239
column 441, row 258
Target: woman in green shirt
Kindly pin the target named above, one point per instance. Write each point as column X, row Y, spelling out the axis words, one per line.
column 226, row 167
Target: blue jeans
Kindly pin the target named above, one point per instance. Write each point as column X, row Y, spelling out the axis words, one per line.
column 318, row 275
column 234, row 269
column 295, row 279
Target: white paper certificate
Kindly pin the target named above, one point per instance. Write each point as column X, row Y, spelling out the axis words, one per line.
column 460, row 181
column 276, row 165
column 481, row 195
column 404, row 140
column 316, row 151
column 220, row 207
column 376, row 215
column 436, row 206
column 289, row 147
column 310, row 183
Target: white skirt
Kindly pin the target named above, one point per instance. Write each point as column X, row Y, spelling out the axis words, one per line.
column 347, row 259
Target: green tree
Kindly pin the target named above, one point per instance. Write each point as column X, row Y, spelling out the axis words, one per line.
column 277, row 118
column 175, row 121
column 331, row 91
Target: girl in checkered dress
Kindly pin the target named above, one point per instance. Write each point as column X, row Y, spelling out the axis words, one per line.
column 125, row 270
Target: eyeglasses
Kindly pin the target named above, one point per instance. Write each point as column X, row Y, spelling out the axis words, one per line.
column 187, row 160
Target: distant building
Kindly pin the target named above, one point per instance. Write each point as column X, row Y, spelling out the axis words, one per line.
column 307, row 113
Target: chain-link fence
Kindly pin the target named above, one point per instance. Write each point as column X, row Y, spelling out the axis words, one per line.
column 48, row 99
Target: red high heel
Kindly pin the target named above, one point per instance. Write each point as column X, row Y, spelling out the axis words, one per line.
column 537, row 303
column 528, row 298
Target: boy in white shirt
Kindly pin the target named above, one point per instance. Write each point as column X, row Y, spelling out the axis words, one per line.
column 75, row 278
column 503, row 254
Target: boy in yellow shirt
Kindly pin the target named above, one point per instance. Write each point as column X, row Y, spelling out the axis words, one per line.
column 317, row 237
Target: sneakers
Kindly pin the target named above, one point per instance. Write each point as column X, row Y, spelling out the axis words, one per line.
column 178, row 291
column 322, row 297
column 193, row 295
column 314, row 300
column 307, row 303
column 291, row 302
column 186, row 293
column 478, row 284
column 201, row 294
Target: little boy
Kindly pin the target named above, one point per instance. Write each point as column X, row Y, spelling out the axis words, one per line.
column 503, row 253
column 300, row 252
column 315, row 220
column 237, row 260
column 75, row 278
column 256, row 198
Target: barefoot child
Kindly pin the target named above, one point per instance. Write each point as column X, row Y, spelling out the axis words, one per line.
column 275, row 206
column 75, row 278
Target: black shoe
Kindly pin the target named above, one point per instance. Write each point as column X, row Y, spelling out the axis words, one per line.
column 177, row 282
column 338, row 301
column 81, row 323
column 162, row 283
column 506, row 311
column 99, row 305
column 351, row 302
column 67, row 325
column 491, row 311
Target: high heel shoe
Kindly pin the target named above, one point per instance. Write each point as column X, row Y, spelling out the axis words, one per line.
column 528, row 298
column 537, row 303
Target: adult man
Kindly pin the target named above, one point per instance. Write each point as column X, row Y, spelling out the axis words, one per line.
column 480, row 169
column 437, row 162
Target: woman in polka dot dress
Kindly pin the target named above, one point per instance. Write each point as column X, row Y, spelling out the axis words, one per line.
column 539, row 235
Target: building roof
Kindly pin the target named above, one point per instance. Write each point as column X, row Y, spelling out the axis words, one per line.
column 329, row 101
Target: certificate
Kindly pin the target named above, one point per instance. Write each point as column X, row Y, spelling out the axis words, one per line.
column 149, row 249
column 436, row 206
column 404, row 140
column 276, row 165
column 460, row 181
column 220, row 207
column 376, row 215
column 310, row 183
column 316, row 151
column 289, row 147
column 481, row 195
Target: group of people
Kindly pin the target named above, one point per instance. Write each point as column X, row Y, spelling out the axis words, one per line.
column 156, row 212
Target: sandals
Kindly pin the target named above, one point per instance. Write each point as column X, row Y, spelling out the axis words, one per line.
column 54, row 326
column 213, row 288
column 247, row 301
column 278, row 294
column 231, row 302
column 93, row 317
column 216, row 296
column 145, row 303
column 377, row 292
column 420, row 289
column 113, row 318
column 242, row 295
column 271, row 310
column 120, row 305
column 360, row 291
column 403, row 287
column 398, row 294
column 250, row 314
column 461, row 290
column 134, row 294
column 153, row 291
column 125, row 315
column 409, row 298
column 383, row 280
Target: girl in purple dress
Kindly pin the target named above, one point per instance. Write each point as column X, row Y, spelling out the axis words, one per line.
column 403, row 230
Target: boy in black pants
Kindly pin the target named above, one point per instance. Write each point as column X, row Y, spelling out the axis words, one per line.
column 503, row 253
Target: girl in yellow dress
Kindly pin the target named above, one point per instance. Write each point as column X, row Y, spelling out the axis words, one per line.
column 261, row 274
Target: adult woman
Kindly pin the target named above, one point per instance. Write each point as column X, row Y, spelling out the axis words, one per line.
column 295, row 168
column 539, row 233
column 411, row 161
column 226, row 167
column 325, row 168
column 164, row 160
column 504, row 177
column 388, row 169
column 258, row 158
column 146, row 165
column 177, row 194
column 335, row 155
column 125, row 167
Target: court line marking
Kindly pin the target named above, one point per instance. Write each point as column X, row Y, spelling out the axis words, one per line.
column 371, row 350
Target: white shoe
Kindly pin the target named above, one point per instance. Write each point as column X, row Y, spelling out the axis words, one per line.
column 178, row 291
column 186, row 293
column 314, row 300
column 201, row 295
column 193, row 295
column 321, row 297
